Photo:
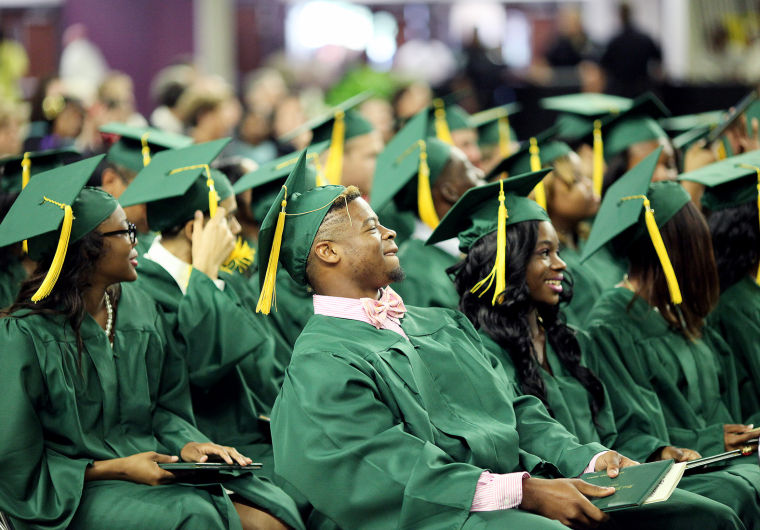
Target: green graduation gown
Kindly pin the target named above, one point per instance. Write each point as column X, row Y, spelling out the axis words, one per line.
column 62, row 411
column 380, row 432
column 10, row 282
column 737, row 320
column 426, row 283
column 229, row 351
column 569, row 402
column 667, row 390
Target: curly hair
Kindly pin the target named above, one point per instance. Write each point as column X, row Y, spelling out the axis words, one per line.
column 67, row 298
column 507, row 321
column 736, row 242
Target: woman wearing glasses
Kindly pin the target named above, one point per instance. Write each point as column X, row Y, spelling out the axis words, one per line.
column 94, row 397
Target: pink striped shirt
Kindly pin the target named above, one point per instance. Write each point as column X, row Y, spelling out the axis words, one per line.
column 494, row 491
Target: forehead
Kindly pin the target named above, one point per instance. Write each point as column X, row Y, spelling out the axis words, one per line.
column 546, row 232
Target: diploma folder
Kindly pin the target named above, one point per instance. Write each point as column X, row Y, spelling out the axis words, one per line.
column 636, row 485
column 208, row 466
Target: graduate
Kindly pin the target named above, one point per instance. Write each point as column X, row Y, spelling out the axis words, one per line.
column 424, row 176
column 496, row 138
column 520, row 320
column 673, row 377
column 230, row 353
column 394, row 417
column 131, row 149
column 452, row 125
column 731, row 203
column 12, row 265
column 95, row 397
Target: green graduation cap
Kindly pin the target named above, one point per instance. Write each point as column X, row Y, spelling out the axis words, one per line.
column 577, row 112
column 446, row 116
column 177, row 182
column 408, row 167
column 17, row 170
column 637, row 124
column 633, row 203
column 729, row 182
column 494, row 129
column 289, row 228
column 134, row 146
column 340, row 124
column 491, row 208
column 54, row 210
column 266, row 181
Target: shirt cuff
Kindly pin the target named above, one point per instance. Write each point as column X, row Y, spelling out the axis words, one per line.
column 498, row 491
column 592, row 465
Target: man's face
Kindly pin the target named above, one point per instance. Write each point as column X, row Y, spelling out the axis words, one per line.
column 367, row 249
column 359, row 161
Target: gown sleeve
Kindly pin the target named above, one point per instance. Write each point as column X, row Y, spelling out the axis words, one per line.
column 37, row 485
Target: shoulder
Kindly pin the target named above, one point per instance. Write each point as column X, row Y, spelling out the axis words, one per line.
column 136, row 308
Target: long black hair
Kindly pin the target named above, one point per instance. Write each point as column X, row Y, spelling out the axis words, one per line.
column 507, row 321
column 736, row 242
column 67, row 298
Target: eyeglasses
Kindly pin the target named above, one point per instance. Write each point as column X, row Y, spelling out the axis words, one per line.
column 131, row 231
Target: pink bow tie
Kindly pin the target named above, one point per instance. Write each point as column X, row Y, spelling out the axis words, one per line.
column 390, row 306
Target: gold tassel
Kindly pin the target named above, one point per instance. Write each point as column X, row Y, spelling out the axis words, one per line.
column 26, row 174
column 213, row 198
column 264, row 304
column 722, row 155
column 504, row 137
column 60, row 252
column 598, row 171
column 425, row 205
column 499, row 271
column 659, row 247
column 145, row 149
column 321, row 180
column 334, row 169
column 240, row 258
column 535, row 165
column 442, row 131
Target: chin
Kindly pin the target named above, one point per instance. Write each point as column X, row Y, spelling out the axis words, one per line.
column 396, row 275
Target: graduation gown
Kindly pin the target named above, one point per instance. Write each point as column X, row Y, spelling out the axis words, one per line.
column 667, row 390
column 62, row 411
column 229, row 352
column 737, row 321
column 569, row 402
column 378, row 432
column 426, row 283
column 10, row 282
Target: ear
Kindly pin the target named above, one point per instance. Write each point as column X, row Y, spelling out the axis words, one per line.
column 187, row 230
column 112, row 182
column 326, row 252
column 448, row 191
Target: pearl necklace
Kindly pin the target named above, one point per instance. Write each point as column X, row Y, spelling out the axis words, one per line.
column 109, row 322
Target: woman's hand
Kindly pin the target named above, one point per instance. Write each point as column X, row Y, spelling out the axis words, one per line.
column 141, row 468
column 679, row 454
column 199, row 452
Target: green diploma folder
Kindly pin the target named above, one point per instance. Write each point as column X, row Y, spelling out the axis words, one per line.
column 635, row 485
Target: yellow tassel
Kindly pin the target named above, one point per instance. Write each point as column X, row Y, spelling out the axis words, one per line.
column 335, row 157
column 267, row 295
column 213, row 198
column 442, row 131
column 26, row 170
column 321, row 179
column 659, row 247
column 240, row 258
column 145, row 149
column 60, row 252
column 499, row 271
column 504, row 138
column 598, row 175
column 722, row 155
column 425, row 206
column 535, row 165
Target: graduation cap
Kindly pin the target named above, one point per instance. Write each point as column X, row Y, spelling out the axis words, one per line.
column 633, row 202
column 637, row 124
column 729, row 183
column 177, row 183
column 447, row 116
column 266, row 181
column 407, row 168
column 340, row 124
column 134, row 146
column 539, row 151
column 579, row 111
column 54, row 210
column 493, row 127
column 289, row 228
column 17, row 170
column 491, row 208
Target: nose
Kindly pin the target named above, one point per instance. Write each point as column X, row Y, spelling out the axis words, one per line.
column 558, row 263
column 388, row 233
